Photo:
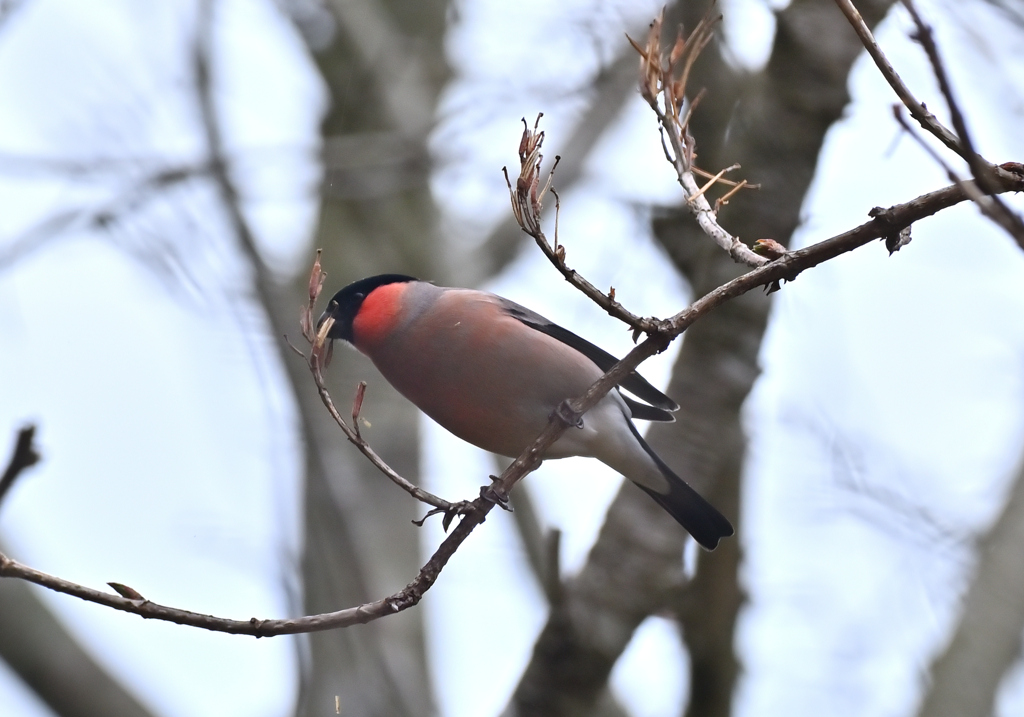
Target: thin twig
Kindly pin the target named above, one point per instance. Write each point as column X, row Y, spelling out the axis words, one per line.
column 985, row 202
column 973, row 191
column 353, row 436
column 367, row 612
column 23, row 456
column 357, row 406
column 917, row 109
column 715, row 179
column 316, row 361
column 724, row 199
column 526, row 201
column 720, row 178
column 884, row 223
column 658, row 79
column 981, row 169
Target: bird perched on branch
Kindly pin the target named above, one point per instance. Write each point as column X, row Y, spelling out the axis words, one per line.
column 492, row 372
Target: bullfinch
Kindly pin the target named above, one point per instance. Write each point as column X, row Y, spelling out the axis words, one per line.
column 492, row 372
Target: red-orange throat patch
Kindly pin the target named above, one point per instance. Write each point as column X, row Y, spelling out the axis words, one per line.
column 378, row 314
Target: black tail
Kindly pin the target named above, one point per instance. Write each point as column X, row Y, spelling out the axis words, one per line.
column 701, row 519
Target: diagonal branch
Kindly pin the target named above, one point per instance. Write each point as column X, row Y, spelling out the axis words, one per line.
column 883, row 224
column 527, row 202
column 961, row 143
column 917, row 109
column 609, row 91
column 39, row 649
column 993, row 207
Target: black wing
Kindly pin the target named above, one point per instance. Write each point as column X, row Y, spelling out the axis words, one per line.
column 634, row 382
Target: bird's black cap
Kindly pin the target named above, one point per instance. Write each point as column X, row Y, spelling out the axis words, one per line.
column 344, row 305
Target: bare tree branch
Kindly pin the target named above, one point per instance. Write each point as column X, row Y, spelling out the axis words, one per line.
column 961, row 143
column 992, row 206
column 658, row 73
column 987, row 204
column 610, row 90
column 787, row 268
column 774, row 120
column 40, row 650
column 917, row 109
column 527, row 202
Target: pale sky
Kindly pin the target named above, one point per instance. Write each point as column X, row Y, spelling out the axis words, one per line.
column 169, row 462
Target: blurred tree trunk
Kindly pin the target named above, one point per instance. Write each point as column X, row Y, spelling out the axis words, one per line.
column 776, row 120
column 965, row 678
column 776, row 130
column 384, row 70
column 50, row 661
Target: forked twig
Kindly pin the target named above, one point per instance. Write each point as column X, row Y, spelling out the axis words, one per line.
column 884, row 223
column 916, row 108
column 526, row 197
column 982, row 170
column 663, row 79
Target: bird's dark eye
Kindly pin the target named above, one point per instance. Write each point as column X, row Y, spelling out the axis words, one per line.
column 359, row 295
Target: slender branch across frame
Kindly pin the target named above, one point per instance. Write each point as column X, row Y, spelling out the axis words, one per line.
column 884, row 223
column 982, row 170
column 916, row 108
column 982, row 193
column 527, row 196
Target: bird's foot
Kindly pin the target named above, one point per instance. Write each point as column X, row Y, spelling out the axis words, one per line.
column 463, row 507
column 567, row 415
column 499, row 499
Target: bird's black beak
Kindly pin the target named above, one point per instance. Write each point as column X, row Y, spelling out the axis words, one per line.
column 329, row 313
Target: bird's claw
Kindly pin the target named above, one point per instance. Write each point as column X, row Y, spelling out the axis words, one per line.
column 463, row 507
column 499, row 499
column 568, row 415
